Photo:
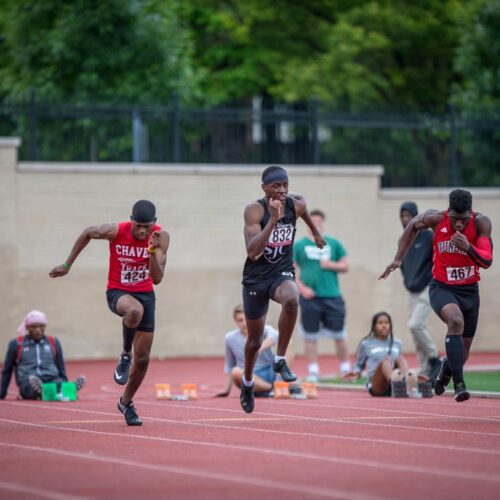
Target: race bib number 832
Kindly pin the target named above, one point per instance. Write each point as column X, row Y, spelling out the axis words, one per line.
column 281, row 236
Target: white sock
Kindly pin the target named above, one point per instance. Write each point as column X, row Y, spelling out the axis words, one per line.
column 345, row 366
column 313, row 368
column 245, row 382
column 278, row 358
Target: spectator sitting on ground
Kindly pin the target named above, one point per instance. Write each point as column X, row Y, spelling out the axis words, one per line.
column 35, row 359
column 381, row 354
column 235, row 341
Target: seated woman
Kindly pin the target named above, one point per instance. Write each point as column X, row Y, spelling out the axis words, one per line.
column 34, row 358
column 381, row 354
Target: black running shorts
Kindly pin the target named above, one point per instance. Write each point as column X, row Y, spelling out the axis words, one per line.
column 256, row 297
column 147, row 300
column 466, row 297
column 318, row 312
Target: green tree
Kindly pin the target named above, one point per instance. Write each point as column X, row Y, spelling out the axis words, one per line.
column 381, row 54
column 478, row 93
column 88, row 50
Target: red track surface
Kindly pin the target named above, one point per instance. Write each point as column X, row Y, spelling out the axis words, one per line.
column 346, row 444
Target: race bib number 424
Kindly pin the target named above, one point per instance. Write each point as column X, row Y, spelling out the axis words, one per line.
column 459, row 273
column 130, row 277
column 281, row 236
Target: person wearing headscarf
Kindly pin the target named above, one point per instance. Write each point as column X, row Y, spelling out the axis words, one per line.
column 35, row 358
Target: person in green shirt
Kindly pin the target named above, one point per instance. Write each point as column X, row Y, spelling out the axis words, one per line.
column 321, row 303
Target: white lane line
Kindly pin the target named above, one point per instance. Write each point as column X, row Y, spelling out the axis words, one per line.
column 327, row 420
column 440, row 447
column 387, row 410
column 201, row 473
column 37, row 492
column 381, row 465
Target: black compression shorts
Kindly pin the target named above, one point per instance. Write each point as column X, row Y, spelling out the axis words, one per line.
column 256, row 297
column 147, row 300
column 466, row 297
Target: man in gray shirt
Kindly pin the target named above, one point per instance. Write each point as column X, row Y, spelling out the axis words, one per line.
column 234, row 361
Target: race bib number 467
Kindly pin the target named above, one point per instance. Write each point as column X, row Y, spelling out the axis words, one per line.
column 459, row 273
column 281, row 236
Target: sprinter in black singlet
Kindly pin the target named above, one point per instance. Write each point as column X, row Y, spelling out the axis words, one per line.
column 268, row 272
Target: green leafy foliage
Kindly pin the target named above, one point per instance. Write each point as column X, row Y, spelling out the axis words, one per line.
column 117, row 51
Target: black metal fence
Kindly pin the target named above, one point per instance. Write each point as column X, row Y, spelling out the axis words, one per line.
column 416, row 150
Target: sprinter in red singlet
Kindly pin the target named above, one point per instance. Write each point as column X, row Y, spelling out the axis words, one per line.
column 137, row 259
column 462, row 244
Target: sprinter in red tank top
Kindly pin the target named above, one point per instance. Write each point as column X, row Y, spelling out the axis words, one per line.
column 137, row 259
column 462, row 244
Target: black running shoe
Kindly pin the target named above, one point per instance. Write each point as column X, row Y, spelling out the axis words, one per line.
column 282, row 368
column 122, row 368
column 129, row 413
column 434, row 369
column 443, row 379
column 247, row 398
column 461, row 393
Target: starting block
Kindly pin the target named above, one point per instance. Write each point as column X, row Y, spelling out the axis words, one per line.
column 189, row 391
column 281, row 390
column 163, row 391
column 66, row 391
column 310, row 390
column 307, row 391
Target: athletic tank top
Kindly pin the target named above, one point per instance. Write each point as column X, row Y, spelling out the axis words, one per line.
column 450, row 264
column 277, row 257
column 129, row 261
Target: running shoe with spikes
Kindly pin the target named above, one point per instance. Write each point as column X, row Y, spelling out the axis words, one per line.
column 80, row 382
column 461, row 392
column 398, row 389
column 443, row 378
column 129, row 413
column 247, row 398
column 36, row 384
column 282, row 368
column 122, row 369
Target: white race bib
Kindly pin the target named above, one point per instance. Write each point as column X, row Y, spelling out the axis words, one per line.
column 281, row 236
column 460, row 273
column 129, row 277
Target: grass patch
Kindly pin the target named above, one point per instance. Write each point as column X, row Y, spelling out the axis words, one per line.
column 476, row 381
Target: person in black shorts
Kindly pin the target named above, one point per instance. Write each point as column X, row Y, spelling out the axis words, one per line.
column 270, row 225
column 138, row 255
column 461, row 246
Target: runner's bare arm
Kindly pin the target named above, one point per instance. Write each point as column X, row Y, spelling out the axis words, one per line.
column 158, row 247
column 301, row 211
column 425, row 220
column 255, row 237
column 102, row 232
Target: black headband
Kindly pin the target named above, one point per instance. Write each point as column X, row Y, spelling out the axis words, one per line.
column 274, row 174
